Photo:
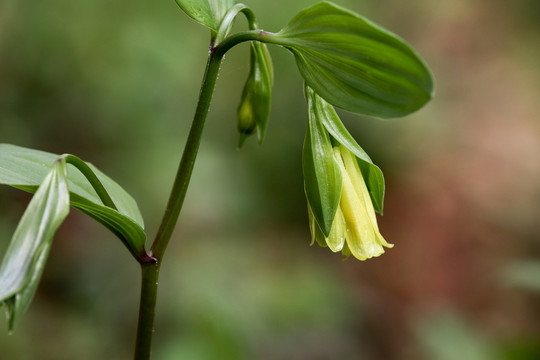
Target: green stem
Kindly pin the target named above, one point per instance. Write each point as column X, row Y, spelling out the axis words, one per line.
column 249, row 35
column 150, row 271
column 183, row 175
column 147, row 309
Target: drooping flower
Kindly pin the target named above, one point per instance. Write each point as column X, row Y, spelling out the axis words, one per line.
column 343, row 186
column 354, row 229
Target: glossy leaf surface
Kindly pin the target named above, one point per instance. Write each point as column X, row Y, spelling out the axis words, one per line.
column 26, row 168
column 206, row 12
column 322, row 177
column 355, row 64
column 372, row 173
column 26, row 255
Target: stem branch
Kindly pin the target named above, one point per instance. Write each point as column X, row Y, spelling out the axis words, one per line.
column 248, row 35
column 150, row 272
column 183, row 175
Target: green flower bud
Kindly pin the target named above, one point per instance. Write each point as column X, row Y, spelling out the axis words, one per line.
column 246, row 123
column 254, row 109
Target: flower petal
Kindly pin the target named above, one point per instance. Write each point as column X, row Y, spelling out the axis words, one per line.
column 353, row 170
column 336, row 239
column 361, row 236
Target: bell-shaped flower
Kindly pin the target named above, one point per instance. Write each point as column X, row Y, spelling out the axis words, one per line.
column 362, row 233
column 343, row 186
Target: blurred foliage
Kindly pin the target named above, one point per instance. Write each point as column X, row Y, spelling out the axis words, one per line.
column 446, row 336
column 524, row 274
column 116, row 83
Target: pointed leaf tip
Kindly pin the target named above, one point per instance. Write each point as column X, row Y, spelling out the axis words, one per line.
column 27, row 253
column 322, row 177
column 206, row 12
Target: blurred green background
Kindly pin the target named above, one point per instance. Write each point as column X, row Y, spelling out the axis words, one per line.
column 116, row 82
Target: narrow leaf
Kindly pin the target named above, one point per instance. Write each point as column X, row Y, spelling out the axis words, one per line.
column 206, row 12
column 26, row 168
column 25, row 258
column 355, row 64
column 371, row 172
column 322, row 177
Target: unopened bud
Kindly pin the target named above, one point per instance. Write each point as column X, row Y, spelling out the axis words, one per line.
column 254, row 108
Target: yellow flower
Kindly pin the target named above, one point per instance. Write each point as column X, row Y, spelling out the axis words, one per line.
column 354, row 228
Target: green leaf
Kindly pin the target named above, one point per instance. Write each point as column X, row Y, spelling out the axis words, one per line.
column 371, row 172
column 227, row 21
column 206, row 12
column 26, row 255
column 355, row 64
column 322, row 176
column 26, row 168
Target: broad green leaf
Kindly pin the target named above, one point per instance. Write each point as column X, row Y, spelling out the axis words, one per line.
column 26, row 168
column 206, row 12
column 355, row 64
column 254, row 109
column 371, row 172
column 322, row 177
column 26, row 255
